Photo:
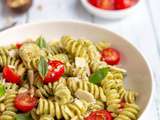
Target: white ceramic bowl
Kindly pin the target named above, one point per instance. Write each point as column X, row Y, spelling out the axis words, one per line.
column 110, row 14
column 139, row 73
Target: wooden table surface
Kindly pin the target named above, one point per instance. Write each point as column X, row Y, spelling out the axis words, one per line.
column 142, row 28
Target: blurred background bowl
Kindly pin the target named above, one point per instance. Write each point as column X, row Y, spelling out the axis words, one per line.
column 110, row 14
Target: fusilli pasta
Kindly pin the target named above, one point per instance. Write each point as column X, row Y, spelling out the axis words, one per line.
column 63, row 80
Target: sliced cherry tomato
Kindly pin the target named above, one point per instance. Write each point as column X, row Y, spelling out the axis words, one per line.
column 55, row 71
column 11, row 76
column 122, row 103
column 99, row 115
column 103, row 4
column 111, row 56
column 122, row 4
column 18, row 45
column 93, row 2
column 24, row 102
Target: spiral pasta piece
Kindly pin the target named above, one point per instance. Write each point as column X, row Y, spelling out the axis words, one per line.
column 102, row 45
column 34, row 114
column 46, row 53
column 117, row 75
column 68, row 69
column 57, row 47
column 113, row 101
column 96, row 65
column 30, row 55
column 48, row 90
column 108, row 84
column 130, row 112
column 99, row 105
column 94, row 56
column 95, row 90
column 128, row 96
column 10, row 111
column 46, row 117
column 62, row 94
column 76, row 48
column 66, row 111
column 93, row 52
column 61, row 57
column 112, row 95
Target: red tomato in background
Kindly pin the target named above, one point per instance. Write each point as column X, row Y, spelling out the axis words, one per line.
column 11, row 76
column 99, row 115
column 122, row 4
column 103, row 4
column 55, row 71
column 106, row 4
column 111, row 56
column 24, row 102
column 93, row 2
column 113, row 4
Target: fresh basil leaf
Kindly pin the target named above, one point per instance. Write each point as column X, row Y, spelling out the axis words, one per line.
column 41, row 42
column 43, row 67
column 2, row 90
column 98, row 76
column 23, row 116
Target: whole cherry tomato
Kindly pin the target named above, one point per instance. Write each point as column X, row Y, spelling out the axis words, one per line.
column 93, row 2
column 103, row 4
column 11, row 76
column 55, row 71
column 24, row 102
column 111, row 56
column 122, row 4
column 99, row 115
column 113, row 4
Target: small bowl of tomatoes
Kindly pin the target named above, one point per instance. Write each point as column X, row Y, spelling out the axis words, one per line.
column 111, row 9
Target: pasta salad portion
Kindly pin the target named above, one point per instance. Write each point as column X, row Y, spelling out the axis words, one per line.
column 67, row 79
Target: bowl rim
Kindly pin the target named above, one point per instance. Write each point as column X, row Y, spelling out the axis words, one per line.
column 86, row 4
column 101, row 28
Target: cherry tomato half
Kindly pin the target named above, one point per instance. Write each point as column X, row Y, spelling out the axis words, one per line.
column 111, row 56
column 18, row 45
column 122, row 103
column 55, row 71
column 11, row 76
column 99, row 115
column 103, row 4
column 122, row 4
column 24, row 102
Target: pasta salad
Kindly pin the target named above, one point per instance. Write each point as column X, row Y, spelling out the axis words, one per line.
column 67, row 79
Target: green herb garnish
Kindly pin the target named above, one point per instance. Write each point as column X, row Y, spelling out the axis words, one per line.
column 24, row 116
column 43, row 67
column 41, row 42
column 2, row 90
column 98, row 76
